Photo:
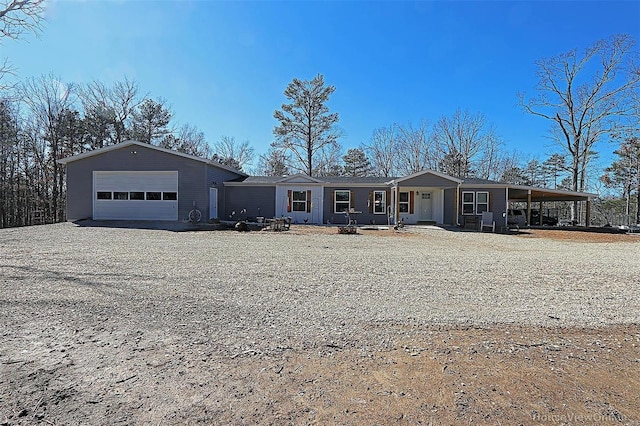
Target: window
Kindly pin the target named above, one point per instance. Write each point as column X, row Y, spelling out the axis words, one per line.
column 379, row 202
column 475, row 202
column 299, row 199
column 342, row 201
column 120, row 195
column 482, row 202
column 153, row 196
column 102, row 195
column 136, row 195
column 403, row 202
column 172, row 196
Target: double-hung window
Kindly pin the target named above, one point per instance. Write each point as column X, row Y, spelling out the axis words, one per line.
column 379, row 202
column 403, row 202
column 482, row 202
column 299, row 201
column 342, row 201
column 468, row 202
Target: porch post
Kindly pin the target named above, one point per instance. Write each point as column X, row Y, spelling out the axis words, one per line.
column 587, row 219
column 396, row 204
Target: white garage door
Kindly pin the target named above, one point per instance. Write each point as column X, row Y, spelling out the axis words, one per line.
column 135, row 195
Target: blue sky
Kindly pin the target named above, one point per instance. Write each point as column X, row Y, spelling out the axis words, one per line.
column 223, row 66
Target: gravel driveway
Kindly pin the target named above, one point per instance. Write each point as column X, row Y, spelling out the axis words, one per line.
column 262, row 291
column 104, row 306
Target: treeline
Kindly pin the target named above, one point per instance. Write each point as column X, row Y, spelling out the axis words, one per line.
column 44, row 119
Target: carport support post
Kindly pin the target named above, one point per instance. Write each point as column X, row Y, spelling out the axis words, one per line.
column 529, row 207
column 587, row 218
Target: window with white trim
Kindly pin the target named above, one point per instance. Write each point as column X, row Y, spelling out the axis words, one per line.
column 468, row 202
column 341, row 201
column 379, row 202
column 482, row 202
column 299, row 201
column 403, row 202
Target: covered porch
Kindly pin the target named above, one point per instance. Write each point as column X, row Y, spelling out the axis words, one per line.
column 424, row 198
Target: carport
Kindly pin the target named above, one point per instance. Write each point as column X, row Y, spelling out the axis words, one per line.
column 530, row 195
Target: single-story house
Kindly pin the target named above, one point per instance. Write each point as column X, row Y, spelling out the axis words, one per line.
column 138, row 181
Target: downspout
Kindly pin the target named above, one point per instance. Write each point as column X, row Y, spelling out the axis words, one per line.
column 456, row 205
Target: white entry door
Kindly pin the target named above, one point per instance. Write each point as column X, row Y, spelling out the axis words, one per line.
column 426, row 211
column 213, row 203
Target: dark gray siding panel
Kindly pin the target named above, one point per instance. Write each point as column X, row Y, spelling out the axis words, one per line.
column 428, row 179
column 257, row 200
column 449, row 206
column 79, row 192
column 360, row 203
column 497, row 202
column 193, row 180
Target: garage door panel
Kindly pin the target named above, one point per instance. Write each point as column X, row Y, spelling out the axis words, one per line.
column 140, row 183
column 136, row 181
column 135, row 210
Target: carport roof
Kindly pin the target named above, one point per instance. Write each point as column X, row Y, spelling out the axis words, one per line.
column 520, row 193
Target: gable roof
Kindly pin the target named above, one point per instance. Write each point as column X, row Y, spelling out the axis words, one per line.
column 424, row 172
column 129, row 143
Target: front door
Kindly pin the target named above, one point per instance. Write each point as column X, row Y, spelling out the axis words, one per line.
column 426, row 212
column 213, row 203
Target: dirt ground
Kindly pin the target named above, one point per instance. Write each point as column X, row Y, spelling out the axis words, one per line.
column 98, row 369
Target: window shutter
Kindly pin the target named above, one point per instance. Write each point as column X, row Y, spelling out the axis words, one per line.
column 490, row 206
column 333, row 201
column 351, row 201
column 371, row 201
column 412, row 196
column 308, row 201
column 289, row 200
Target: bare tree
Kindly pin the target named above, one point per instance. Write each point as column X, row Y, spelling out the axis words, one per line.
column 328, row 161
column 241, row 152
column 114, row 104
column 415, row 149
column 306, row 127
column 273, row 163
column 16, row 18
column 584, row 98
column 467, row 145
column 383, row 150
column 49, row 100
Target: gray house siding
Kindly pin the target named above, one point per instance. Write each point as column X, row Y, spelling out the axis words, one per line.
column 428, row 180
column 497, row 202
column 360, row 203
column 193, row 179
column 257, row 200
column 449, row 206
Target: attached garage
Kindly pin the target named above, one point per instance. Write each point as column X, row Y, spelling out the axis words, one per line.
column 135, row 195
